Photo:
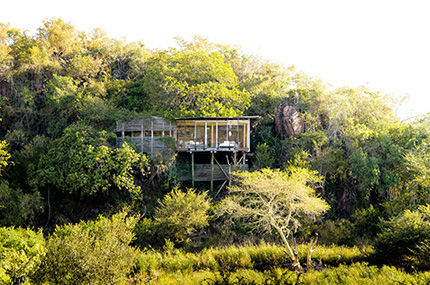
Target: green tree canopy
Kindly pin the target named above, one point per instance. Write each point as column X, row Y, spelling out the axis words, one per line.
column 193, row 82
column 82, row 162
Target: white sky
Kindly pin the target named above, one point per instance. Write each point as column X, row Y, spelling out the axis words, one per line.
column 381, row 44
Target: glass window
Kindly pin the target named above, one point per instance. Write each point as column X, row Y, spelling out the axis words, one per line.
column 222, row 135
column 243, row 135
column 233, row 133
column 180, row 131
column 137, row 134
column 189, row 132
column 211, row 134
column 200, row 135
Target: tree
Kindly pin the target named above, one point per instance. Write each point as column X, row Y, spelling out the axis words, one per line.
column 4, row 155
column 274, row 200
column 5, row 51
column 418, row 163
column 193, row 82
column 81, row 162
column 181, row 214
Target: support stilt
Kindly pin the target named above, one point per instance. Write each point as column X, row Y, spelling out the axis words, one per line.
column 212, row 171
column 192, row 168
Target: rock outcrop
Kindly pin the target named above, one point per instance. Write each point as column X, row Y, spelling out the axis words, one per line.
column 288, row 121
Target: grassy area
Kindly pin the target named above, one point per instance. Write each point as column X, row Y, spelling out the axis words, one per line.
column 266, row 264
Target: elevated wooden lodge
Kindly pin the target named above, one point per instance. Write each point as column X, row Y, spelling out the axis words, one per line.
column 207, row 148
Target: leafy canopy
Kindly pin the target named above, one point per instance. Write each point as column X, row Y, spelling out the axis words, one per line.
column 82, row 162
column 193, row 82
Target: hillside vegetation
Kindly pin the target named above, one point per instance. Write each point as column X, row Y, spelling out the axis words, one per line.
column 76, row 209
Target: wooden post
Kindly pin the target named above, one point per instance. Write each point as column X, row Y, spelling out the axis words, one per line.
column 152, row 136
column 205, row 143
column 216, row 135
column 192, row 168
column 245, row 142
column 229, row 173
column 212, row 171
column 122, row 134
column 141, row 135
column 195, row 135
column 248, row 136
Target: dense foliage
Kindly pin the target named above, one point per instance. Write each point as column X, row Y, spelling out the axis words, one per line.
column 405, row 239
column 21, row 251
column 61, row 92
column 95, row 252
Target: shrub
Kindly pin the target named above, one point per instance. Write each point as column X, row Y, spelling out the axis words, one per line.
column 147, row 234
column 181, row 214
column 329, row 232
column 148, row 263
column 21, row 251
column 365, row 223
column 95, row 252
column 404, row 238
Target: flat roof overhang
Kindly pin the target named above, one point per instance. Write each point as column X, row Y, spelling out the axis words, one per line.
column 217, row 118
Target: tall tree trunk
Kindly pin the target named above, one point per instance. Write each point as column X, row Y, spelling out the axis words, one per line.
column 292, row 254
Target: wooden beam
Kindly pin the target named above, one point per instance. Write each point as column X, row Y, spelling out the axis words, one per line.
column 222, row 186
column 222, row 169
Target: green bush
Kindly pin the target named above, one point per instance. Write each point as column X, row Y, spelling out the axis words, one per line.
column 365, row 223
column 330, row 232
column 95, row 252
column 148, row 263
column 147, row 235
column 21, row 251
column 404, row 239
column 181, row 214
